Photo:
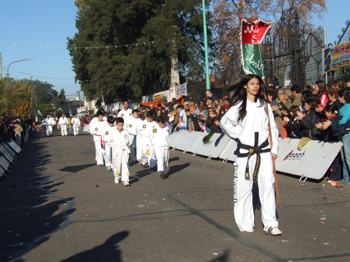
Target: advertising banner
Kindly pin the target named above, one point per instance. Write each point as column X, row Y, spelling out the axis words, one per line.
column 341, row 56
column 181, row 90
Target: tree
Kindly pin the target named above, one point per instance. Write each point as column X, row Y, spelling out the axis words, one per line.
column 15, row 97
column 226, row 23
column 62, row 96
column 156, row 30
column 43, row 92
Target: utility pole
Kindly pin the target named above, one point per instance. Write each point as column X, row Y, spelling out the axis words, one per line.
column 206, row 46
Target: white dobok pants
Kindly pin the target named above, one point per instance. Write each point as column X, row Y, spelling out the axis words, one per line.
column 146, row 152
column 99, row 152
column 243, row 200
column 63, row 130
column 120, row 164
column 161, row 154
column 49, row 130
column 76, row 130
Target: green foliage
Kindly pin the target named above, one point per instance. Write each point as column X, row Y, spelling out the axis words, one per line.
column 161, row 27
column 42, row 91
column 15, row 97
column 62, row 97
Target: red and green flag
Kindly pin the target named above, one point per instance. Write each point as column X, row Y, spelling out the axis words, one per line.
column 252, row 33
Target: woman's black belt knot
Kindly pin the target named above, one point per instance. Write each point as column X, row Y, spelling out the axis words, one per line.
column 256, row 149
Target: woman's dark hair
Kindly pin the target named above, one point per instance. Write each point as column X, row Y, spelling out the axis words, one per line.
column 331, row 109
column 306, row 95
column 312, row 103
column 272, row 92
column 345, row 92
column 240, row 94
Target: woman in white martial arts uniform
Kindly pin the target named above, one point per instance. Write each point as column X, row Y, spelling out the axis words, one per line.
column 247, row 122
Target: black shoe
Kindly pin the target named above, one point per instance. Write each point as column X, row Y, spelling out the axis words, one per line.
column 162, row 175
column 145, row 165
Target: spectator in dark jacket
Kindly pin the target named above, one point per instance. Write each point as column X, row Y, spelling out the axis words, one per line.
column 309, row 120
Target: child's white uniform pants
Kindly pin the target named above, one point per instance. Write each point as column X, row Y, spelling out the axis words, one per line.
column 243, row 198
column 146, row 152
column 161, row 154
column 120, row 164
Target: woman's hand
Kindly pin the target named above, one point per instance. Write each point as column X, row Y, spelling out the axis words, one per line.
column 274, row 156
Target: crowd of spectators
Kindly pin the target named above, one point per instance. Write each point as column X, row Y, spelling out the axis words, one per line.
column 17, row 129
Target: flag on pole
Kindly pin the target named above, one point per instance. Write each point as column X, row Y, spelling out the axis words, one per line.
column 252, row 33
column 70, row 112
column 38, row 112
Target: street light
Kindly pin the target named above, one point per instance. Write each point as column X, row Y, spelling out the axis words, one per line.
column 8, row 67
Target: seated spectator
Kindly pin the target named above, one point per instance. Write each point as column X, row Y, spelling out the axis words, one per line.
column 309, row 120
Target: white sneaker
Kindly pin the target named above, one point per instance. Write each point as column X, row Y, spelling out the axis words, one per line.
column 272, row 231
column 116, row 180
column 126, row 183
column 250, row 230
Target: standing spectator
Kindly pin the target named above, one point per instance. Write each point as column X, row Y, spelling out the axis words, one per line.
column 338, row 84
column 296, row 94
column 210, row 94
column 320, row 92
column 334, row 98
column 18, row 132
column 344, row 97
column 309, row 120
column 182, row 117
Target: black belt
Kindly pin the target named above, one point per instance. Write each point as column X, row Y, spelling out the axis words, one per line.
column 256, row 149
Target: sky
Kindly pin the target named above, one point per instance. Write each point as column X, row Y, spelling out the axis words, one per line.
column 39, row 29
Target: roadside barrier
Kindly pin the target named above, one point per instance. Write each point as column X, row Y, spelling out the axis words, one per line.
column 8, row 154
column 312, row 161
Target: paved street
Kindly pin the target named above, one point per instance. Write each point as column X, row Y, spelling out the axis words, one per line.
column 57, row 205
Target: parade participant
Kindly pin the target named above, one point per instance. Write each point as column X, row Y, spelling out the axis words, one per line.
column 160, row 140
column 49, row 123
column 248, row 123
column 97, row 130
column 63, row 122
column 108, row 131
column 134, row 121
column 76, row 125
column 125, row 113
column 120, row 141
column 144, row 130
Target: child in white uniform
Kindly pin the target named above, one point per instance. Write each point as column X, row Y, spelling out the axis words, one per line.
column 76, row 125
column 120, row 141
column 160, row 139
column 108, row 131
column 144, row 130
column 134, row 121
column 97, row 131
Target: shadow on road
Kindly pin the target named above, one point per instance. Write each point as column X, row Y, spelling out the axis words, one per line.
column 78, row 168
column 108, row 251
column 174, row 169
column 29, row 211
column 222, row 258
